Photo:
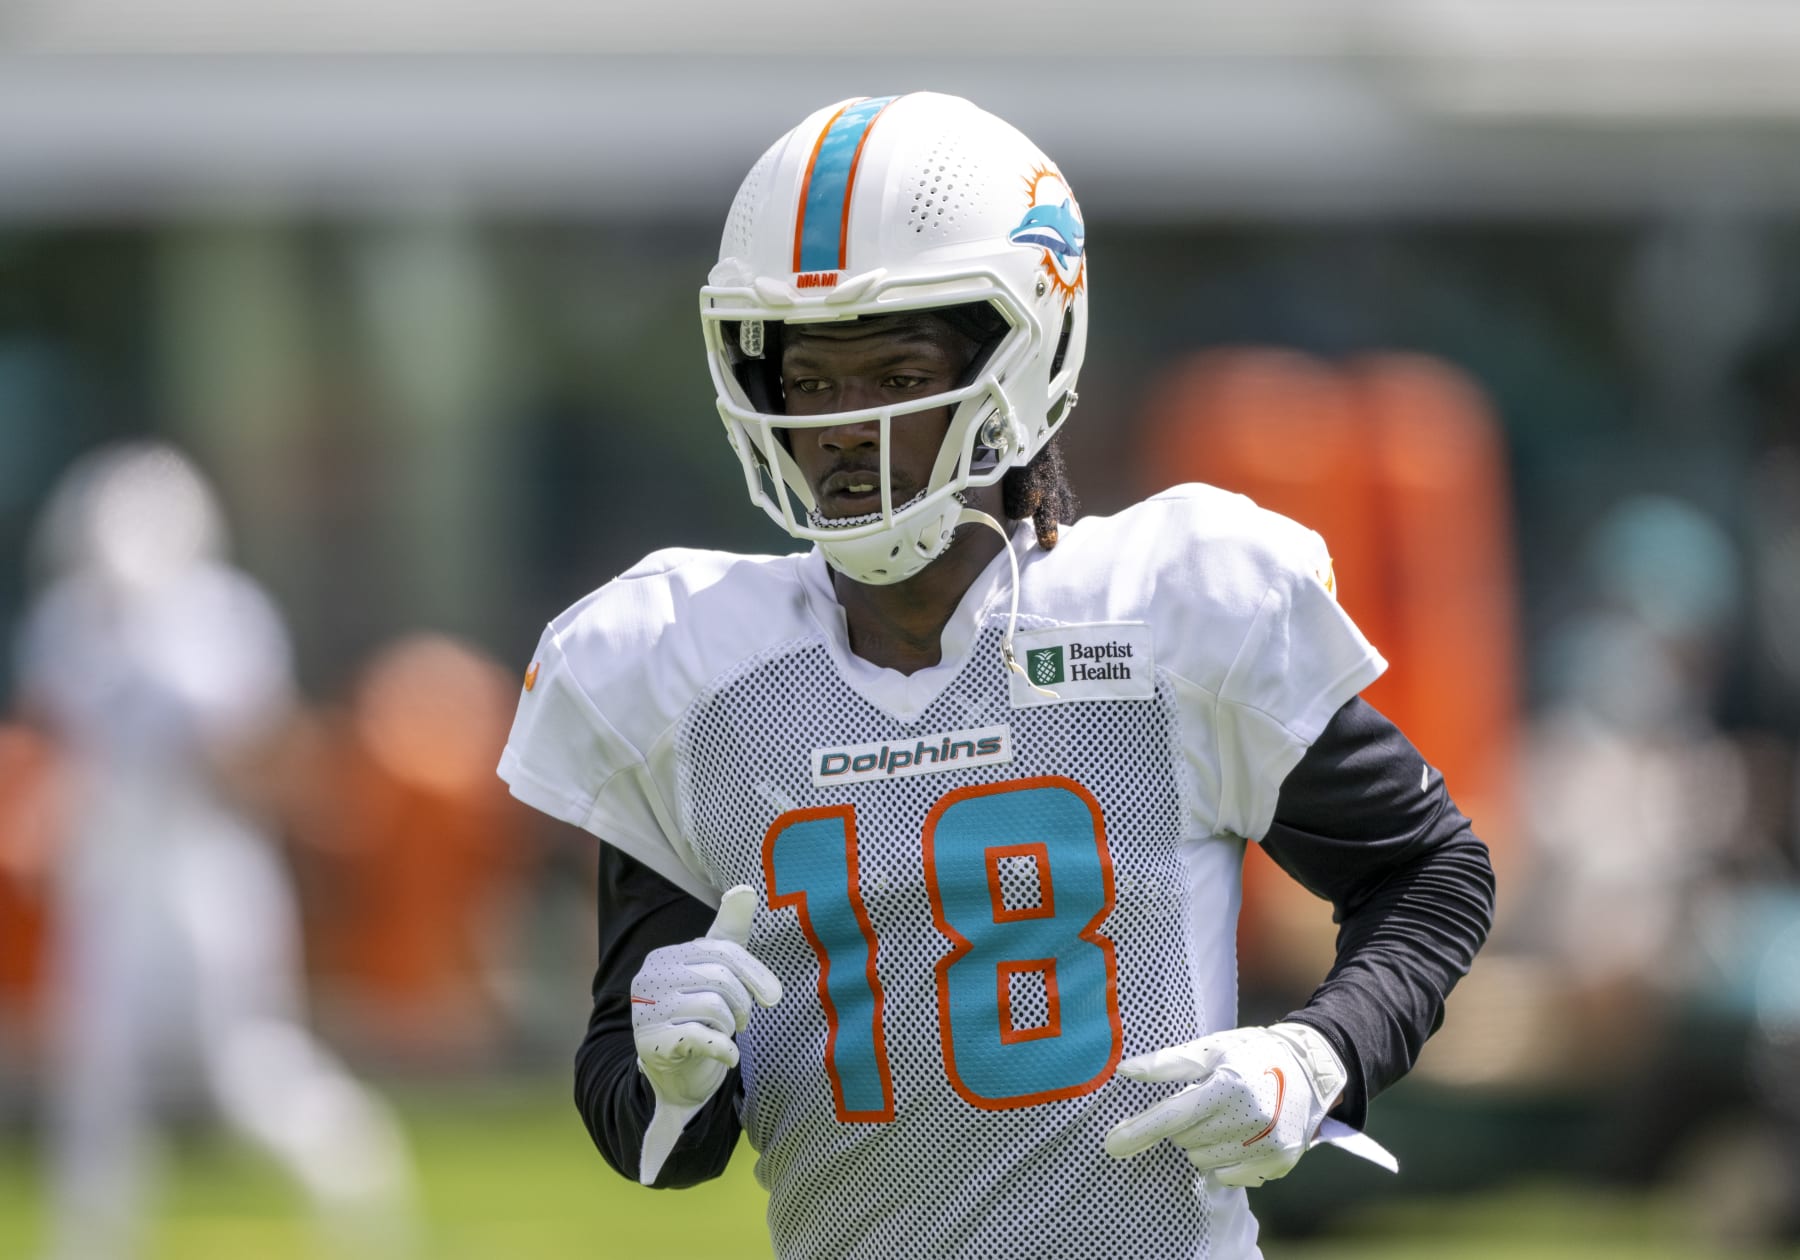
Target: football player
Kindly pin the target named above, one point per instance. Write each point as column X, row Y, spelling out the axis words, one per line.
column 969, row 782
column 163, row 675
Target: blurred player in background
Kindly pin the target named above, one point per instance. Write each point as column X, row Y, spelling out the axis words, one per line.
column 163, row 676
column 970, row 784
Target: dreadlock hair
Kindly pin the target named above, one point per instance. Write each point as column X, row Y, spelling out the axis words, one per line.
column 1041, row 491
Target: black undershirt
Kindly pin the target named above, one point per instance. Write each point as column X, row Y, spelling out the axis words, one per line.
column 1361, row 821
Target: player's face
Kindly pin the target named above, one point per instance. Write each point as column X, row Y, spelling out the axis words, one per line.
column 869, row 363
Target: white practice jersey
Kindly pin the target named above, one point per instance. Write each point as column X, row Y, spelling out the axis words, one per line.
column 141, row 688
column 979, row 897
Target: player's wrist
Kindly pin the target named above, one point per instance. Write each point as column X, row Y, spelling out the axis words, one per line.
column 1324, row 1070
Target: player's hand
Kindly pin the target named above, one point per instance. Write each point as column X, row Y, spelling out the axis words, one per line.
column 688, row 1001
column 1256, row 1103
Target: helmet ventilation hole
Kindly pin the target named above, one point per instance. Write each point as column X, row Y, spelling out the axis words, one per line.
column 740, row 223
column 941, row 187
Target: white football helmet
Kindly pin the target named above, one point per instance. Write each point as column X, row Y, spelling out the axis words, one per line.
column 875, row 206
column 135, row 515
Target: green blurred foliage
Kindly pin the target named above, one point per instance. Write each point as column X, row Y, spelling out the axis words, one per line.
column 509, row 1173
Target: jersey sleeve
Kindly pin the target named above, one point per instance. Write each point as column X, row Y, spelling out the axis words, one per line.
column 563, row 757
column 1300, row 659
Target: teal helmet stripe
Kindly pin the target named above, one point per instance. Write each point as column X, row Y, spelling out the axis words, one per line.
column 821, row 236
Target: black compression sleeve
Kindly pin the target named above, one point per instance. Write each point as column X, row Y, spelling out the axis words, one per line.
column 640, row 911
column 1365, row 823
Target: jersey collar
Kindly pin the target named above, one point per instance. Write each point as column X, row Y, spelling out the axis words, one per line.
column 904, row 697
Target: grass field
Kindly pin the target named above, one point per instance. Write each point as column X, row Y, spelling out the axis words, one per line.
column 509, row 1175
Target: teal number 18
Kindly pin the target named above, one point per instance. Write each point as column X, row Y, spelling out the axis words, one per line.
column 810, row 862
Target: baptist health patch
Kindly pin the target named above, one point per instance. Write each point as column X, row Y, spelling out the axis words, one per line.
column 901, row 758
column 1105, row 661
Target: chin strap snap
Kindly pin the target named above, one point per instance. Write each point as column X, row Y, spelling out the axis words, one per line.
column 970, row 516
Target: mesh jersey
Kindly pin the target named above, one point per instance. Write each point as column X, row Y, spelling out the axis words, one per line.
column 978, row 899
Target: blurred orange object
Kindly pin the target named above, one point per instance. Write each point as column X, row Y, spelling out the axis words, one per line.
column 1450, row 584
column 411, row 858
column 27, row 833
column 1397, row 461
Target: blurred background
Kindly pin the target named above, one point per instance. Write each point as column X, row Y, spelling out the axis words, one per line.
column 397, row 302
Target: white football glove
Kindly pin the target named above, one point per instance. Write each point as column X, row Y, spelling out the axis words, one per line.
column 1259, row 1098
column 687, row 1002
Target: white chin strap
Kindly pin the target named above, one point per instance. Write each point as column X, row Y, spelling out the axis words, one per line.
column 970, row 516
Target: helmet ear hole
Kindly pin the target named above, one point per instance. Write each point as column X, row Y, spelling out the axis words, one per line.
column 1062, row 344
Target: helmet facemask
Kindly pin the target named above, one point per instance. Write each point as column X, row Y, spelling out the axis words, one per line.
column 914, row 523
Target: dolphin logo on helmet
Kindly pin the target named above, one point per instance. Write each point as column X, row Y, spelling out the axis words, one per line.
column 1055, row 228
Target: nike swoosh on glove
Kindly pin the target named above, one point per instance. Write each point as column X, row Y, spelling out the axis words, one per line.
column 1256, row 1103
column 688, row 1001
